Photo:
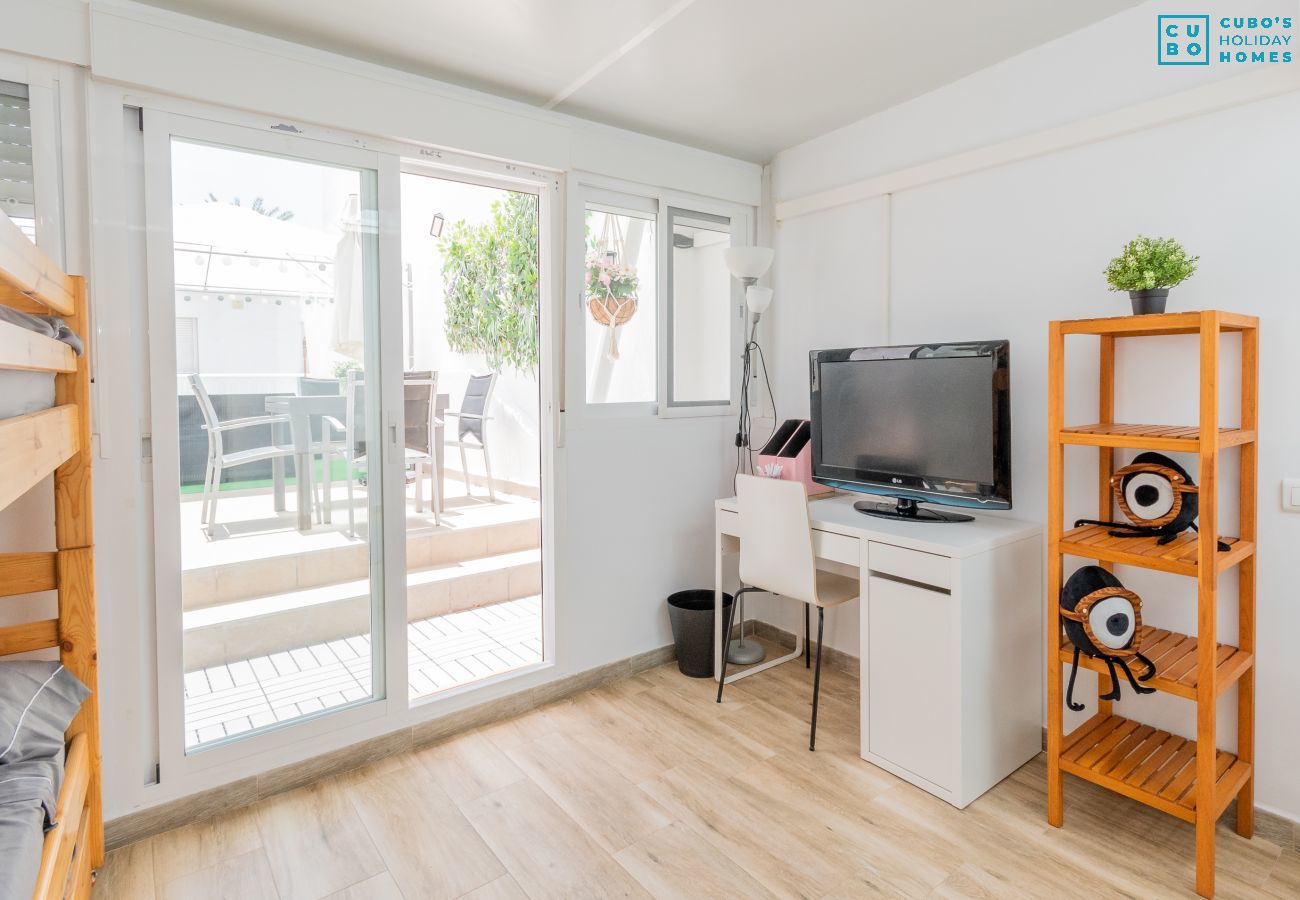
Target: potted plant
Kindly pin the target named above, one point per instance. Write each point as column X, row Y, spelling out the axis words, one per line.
column 1147, row 269
column 611, row 293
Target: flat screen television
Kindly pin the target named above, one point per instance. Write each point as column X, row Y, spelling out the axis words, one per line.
column 921, row 423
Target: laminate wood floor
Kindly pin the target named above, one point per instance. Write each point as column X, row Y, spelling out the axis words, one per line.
column 647, row 788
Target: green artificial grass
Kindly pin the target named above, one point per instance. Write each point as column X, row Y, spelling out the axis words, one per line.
column 337, row 468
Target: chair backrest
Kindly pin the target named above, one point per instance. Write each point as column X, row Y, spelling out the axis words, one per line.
column 206, row 408
column 319, row 387
column 776, row 552
column 419, row 393
column 478, row 395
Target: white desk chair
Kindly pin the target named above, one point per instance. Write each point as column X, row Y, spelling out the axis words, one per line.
column 776, row 556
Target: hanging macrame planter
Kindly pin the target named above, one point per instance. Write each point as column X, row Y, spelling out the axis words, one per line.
column 611, row 283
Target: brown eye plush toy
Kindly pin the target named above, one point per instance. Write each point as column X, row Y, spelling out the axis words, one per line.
column 1103, row 619
column 1158, row 498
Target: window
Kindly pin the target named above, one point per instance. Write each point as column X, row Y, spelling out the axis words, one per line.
column 621, row 300
column 17, row 191
column 704, row 313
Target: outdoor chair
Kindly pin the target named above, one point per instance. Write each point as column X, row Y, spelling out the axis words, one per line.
column 219, row 459
column 472, row 427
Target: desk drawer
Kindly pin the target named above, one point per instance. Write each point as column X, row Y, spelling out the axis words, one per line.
column 837, row 548
column 911, row 565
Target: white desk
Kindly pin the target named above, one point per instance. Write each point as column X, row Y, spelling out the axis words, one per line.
column 951, row 635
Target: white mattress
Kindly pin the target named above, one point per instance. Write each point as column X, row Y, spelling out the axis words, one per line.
column 25, row 392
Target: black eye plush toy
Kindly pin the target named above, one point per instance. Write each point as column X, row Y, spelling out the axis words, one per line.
column 1158, row 498
column 1103, row 619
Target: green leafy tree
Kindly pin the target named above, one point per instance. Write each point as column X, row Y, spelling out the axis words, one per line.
column 489, row 274
column 1150, row 263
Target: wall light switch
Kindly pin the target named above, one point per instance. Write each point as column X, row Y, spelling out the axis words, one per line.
column 1291, row 494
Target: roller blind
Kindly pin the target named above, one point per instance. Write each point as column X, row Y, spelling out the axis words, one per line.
column 17, row 193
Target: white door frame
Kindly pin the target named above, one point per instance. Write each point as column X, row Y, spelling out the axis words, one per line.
column 388, row 562
column 549, row 190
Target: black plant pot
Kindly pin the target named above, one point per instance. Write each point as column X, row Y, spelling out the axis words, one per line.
column 1146, row 303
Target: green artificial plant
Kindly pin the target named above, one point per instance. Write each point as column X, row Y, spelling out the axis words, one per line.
column 489, row 274
column 1149, row 264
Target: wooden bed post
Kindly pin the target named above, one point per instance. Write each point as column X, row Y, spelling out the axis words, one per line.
column 34, row 446
column 74, row 537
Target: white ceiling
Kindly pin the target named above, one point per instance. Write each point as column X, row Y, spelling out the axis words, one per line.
column 742, row 77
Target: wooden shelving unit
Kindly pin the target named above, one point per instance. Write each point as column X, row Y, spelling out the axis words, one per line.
column 1192, row 780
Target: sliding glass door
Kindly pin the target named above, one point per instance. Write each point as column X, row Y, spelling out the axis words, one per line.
column 270, row 407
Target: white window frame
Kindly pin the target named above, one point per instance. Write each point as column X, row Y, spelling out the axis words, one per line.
column 388, row 558
column 42, row 84
column 598, row 190
column 615, row 201
column 203, row 771
column 738, row 225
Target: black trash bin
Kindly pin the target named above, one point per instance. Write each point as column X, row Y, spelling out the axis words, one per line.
column 691, row 614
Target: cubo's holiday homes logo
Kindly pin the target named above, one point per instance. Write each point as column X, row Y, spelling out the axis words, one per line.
column 1188, row 41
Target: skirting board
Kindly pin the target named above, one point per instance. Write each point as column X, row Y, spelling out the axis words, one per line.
column 137, row 826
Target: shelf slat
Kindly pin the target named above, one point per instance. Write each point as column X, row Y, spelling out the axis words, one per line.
column 1185, row 438
column 1165, row 323
column 1175, row 657
column 1146, row 764
column 1178, row 556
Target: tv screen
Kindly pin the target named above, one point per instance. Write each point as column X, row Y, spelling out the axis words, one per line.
column 924, row 422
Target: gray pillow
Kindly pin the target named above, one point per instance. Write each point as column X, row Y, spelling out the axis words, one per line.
column 37, row 703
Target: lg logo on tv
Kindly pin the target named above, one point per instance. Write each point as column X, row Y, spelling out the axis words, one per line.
column 1186, row 40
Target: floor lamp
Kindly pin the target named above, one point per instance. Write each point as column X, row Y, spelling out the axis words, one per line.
column 747, row 265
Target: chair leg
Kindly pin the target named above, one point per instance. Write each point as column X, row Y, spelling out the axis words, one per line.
column 726, row 640
column 216, row 495
column 327, row 464
column 807, row 639
column 419, row 487
column 435, row 488
column 817, row 677
column 487, row 468
column 464, row 470
column 352, row 513
column 207, row 489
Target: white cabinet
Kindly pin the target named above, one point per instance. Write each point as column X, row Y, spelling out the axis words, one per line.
column 905, row 620
column 951, row 694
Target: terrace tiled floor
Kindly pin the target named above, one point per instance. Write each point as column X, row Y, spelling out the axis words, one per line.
column 443, row 652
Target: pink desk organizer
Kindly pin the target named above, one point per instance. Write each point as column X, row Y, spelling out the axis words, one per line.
column 790, row 448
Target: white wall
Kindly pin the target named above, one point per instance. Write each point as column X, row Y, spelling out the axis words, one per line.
column 654, row 519
column 998, row 253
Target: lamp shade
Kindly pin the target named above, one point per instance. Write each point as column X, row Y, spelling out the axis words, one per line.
column 748, row 262
column 758, row 299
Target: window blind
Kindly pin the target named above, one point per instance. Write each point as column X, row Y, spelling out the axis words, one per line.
column 17, row 191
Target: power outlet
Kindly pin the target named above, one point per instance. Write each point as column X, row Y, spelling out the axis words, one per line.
column 1291, row 494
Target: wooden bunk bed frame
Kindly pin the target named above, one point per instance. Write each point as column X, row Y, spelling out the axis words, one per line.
column 55, row 440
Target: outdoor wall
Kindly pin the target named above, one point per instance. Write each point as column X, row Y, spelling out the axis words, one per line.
column 998, row 253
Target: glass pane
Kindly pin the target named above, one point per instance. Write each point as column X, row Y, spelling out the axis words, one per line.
column 622, row 307
column 473, row 500
column 17, row 184
column 702, row 314
column 275, row 266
